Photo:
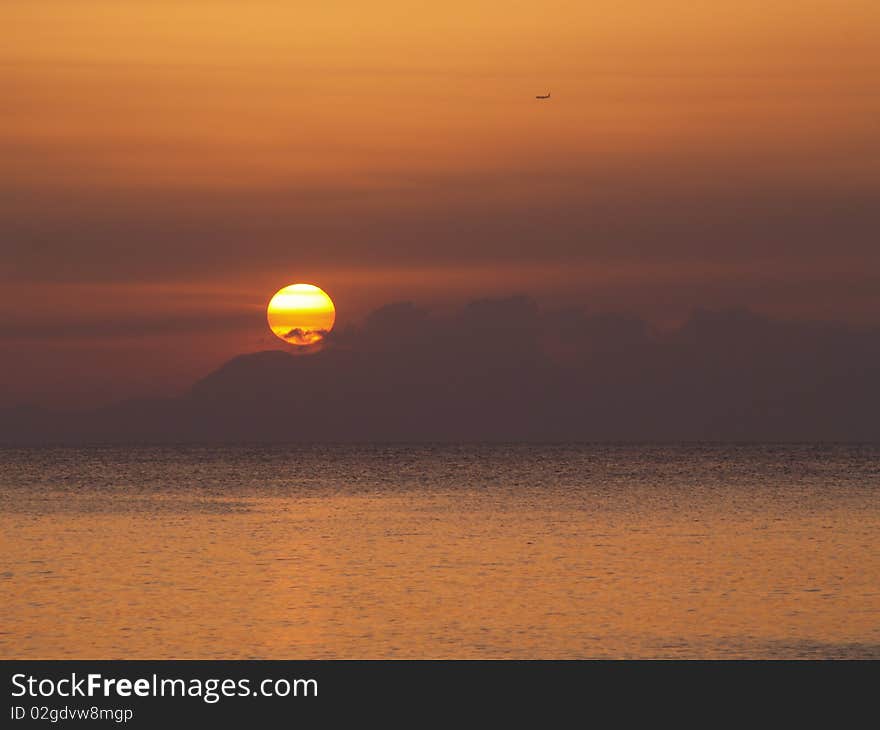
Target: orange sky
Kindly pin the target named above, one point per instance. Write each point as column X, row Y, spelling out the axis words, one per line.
column 166, row 166
column 361, row 96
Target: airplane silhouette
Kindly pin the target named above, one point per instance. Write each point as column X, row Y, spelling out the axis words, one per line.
column 547, row 96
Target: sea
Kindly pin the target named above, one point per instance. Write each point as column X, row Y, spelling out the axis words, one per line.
column 460, row 551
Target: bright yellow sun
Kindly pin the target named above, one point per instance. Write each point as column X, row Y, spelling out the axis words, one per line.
column 301, row 314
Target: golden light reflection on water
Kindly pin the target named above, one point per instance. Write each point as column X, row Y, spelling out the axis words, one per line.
column 456, row 573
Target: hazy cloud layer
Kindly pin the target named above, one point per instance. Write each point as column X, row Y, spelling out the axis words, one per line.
column 504, row 369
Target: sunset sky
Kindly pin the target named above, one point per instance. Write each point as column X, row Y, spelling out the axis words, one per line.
column 168, row 166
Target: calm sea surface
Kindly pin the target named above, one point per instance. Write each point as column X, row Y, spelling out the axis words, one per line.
column 440, row 551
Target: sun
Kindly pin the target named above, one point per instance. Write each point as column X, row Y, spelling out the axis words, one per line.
column 301, row 314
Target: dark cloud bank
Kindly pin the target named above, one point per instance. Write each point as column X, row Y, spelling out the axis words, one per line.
column 505, row 370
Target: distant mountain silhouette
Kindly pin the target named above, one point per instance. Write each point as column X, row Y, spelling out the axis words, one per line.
column 504, row 370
